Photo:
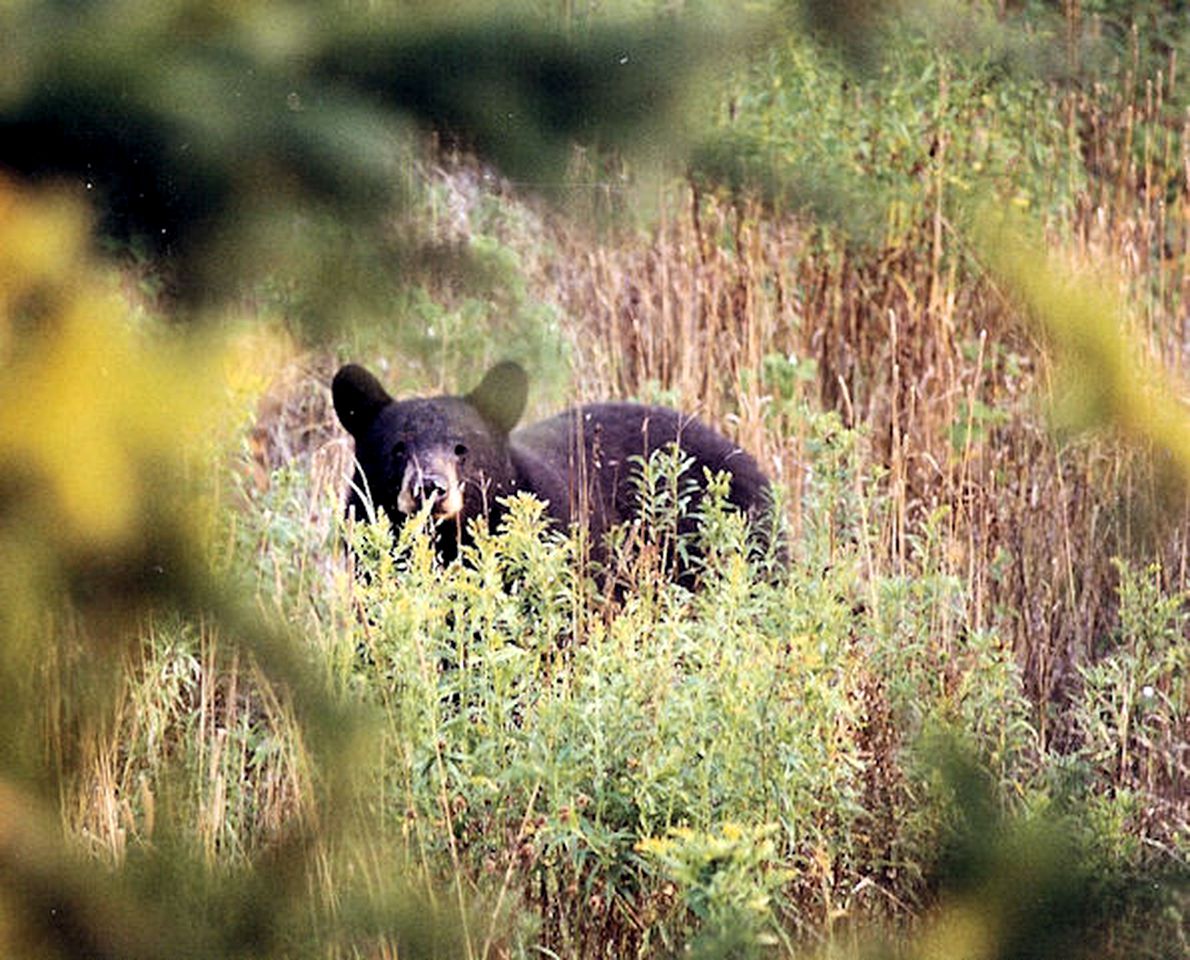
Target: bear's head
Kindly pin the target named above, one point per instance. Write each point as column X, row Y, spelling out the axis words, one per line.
column 448, row 452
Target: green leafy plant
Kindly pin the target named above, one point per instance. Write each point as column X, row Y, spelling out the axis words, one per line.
column 728, row 879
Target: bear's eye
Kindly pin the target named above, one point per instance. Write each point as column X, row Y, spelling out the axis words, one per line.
column 399, row 449
column 460, row 450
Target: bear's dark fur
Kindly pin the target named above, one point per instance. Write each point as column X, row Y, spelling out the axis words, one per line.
column 463, row 453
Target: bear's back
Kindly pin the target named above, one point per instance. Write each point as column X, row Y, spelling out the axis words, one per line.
column 583, row 460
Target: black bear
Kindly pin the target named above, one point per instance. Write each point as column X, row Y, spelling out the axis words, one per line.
column 462, row 454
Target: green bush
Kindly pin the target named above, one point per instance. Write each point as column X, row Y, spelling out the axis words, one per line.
column 879, row 152
column 579, row 760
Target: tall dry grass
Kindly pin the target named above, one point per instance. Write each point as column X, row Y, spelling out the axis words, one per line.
column 741, row 313
column 915, row 345
column 245, row 782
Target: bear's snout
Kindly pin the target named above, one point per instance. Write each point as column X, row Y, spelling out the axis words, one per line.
column 433, row 480
column 431, row 489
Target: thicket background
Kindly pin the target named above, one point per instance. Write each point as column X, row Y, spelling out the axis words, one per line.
column 927, row 260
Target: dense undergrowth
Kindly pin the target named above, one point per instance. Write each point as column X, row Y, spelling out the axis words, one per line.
column 966, row 691
column 756, row 760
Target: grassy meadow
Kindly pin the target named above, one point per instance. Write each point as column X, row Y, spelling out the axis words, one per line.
column 943, row 298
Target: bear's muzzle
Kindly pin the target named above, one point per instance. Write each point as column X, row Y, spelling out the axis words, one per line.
column 431, row 479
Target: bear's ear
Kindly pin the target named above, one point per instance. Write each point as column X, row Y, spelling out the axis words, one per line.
column 358, row 397
column 501, row 395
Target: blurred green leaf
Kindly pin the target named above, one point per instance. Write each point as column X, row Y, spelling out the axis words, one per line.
column 220, row 135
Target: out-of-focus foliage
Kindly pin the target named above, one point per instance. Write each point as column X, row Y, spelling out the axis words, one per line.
column 108, row 436
column 1011, row 886
column 1106, row 379
column 938, row 105
column 87, row 402
column 951, row 103
column 90, row 464
column 256, row 139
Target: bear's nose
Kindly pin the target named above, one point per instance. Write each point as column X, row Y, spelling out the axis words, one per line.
column 431, row 484
column 430, row 489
